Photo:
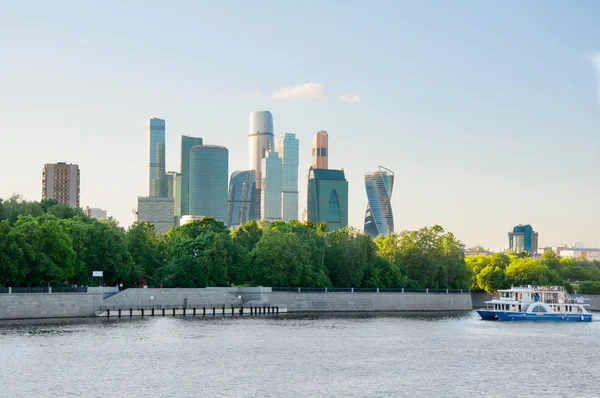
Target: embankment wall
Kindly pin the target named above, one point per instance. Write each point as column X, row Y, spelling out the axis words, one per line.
column 55, row 305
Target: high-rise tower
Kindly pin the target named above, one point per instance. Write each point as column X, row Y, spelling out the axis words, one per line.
column 319, row 150
column 242, row 197
column 287, row 148
column 523, row 238
column 157, row 184
column 260, row 139
column 187, row 143
column 327, row 198
column 208, row 181
column 379, row 219
column 270, row 205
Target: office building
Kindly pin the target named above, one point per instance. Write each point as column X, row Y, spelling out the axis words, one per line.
column 379, row 219
column 157, row 185
column 96, row 213
column 260, row 140
column 209, row 165
column 187, row 143
column 327, row 200
column 288, row 150
column 242, row 198
column 157, row 211
column 270, row 204
column 523, row 239
column 174, row 191
column 61, row 182
column 319, row 151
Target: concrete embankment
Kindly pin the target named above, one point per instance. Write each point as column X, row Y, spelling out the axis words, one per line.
column 54, row 305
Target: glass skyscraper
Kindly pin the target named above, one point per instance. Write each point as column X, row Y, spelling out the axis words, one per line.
column 523, row 238
column 287, row 148
column 209, row 166
column 242, row 197
column 328, row 198
column 270, row 204
column 157, row 184
column 379, row 219
column 260, row 140
column 319, row 150
column 187, row 143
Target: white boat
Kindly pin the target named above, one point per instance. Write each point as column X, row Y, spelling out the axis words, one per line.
column 536, row 303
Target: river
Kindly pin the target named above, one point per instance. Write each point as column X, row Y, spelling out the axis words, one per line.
column 298, row 356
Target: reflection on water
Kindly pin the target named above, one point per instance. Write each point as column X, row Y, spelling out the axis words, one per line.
column 366, row 355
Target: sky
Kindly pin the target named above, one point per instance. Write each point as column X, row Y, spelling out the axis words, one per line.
column 487, row 112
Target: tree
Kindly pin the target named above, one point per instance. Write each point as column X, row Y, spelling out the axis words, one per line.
column 148, row 251
column 350, row 256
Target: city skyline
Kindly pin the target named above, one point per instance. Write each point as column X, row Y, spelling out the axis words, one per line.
column 458, row 140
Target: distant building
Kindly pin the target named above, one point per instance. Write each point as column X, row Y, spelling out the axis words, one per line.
column 157, row 211
column 209, row 165
column 523, row 238
column 157, row 185
column 260, row 140
column 476, row 251
column 327, row 200
column 187, row 218
column 95, row 212
column 187, row 143
column 174, row 191
column 319, row 151
column 61, row 182
column 578, row 250
column 288, row 149
column 242, row 206
column 270, row 205
column 379, row 218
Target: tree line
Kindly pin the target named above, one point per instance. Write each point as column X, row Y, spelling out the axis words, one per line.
column 503, row 270
column 46, row 243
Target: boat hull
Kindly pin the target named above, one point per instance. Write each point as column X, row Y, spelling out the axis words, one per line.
column 487, row 315
column 543, row 317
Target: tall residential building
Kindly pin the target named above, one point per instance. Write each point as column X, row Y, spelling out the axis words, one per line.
column 260, row 140
column 157, row 185
column 242, row 197
column 94, row 212
column 319, row 151
column 327, row 198
column 287, row 148
column 270, row 201
column 523, row 238
column 187, row 143
column 156, row 211
column 61, row 182
column 209, row 170
column 379, row 219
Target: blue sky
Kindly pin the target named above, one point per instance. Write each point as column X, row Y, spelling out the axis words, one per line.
column 488, row 112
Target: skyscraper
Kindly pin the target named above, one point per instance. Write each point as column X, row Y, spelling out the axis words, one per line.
column 270, row 204
column 523, row 238
column 379, row 219
column 287, row 148
column 319, row 150
column 208, row 181
column 187, row 143
column 242, row 197
column 174, row 191
column 328, row 198
column 61, row 182
column 260, row 140
column 156, row 158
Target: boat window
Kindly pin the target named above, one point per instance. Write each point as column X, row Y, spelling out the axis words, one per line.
column 538, row 308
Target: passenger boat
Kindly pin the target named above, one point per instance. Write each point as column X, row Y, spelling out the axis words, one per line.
column 536, row 303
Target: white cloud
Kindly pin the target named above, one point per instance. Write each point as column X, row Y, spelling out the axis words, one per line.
column 353, row 98
column 301, row 91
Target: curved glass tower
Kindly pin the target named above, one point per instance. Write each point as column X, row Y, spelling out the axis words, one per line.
column 209, row 166
column 242, row 197
column 379, row 219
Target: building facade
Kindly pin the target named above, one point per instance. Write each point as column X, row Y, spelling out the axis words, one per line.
column 156, row 211
column 270, row 204
column 523, row 238
column 320, row 146
column 327, row 200
column 174, row 191
column 242, row 198
column 288, row 149
column 209, row 165
column 61, row 182
column 157, row 185
column 261, row 139
column 96, row 213
column 379, row 219
column 187, row 143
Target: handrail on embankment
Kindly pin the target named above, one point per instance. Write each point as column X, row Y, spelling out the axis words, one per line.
column 366, row 290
